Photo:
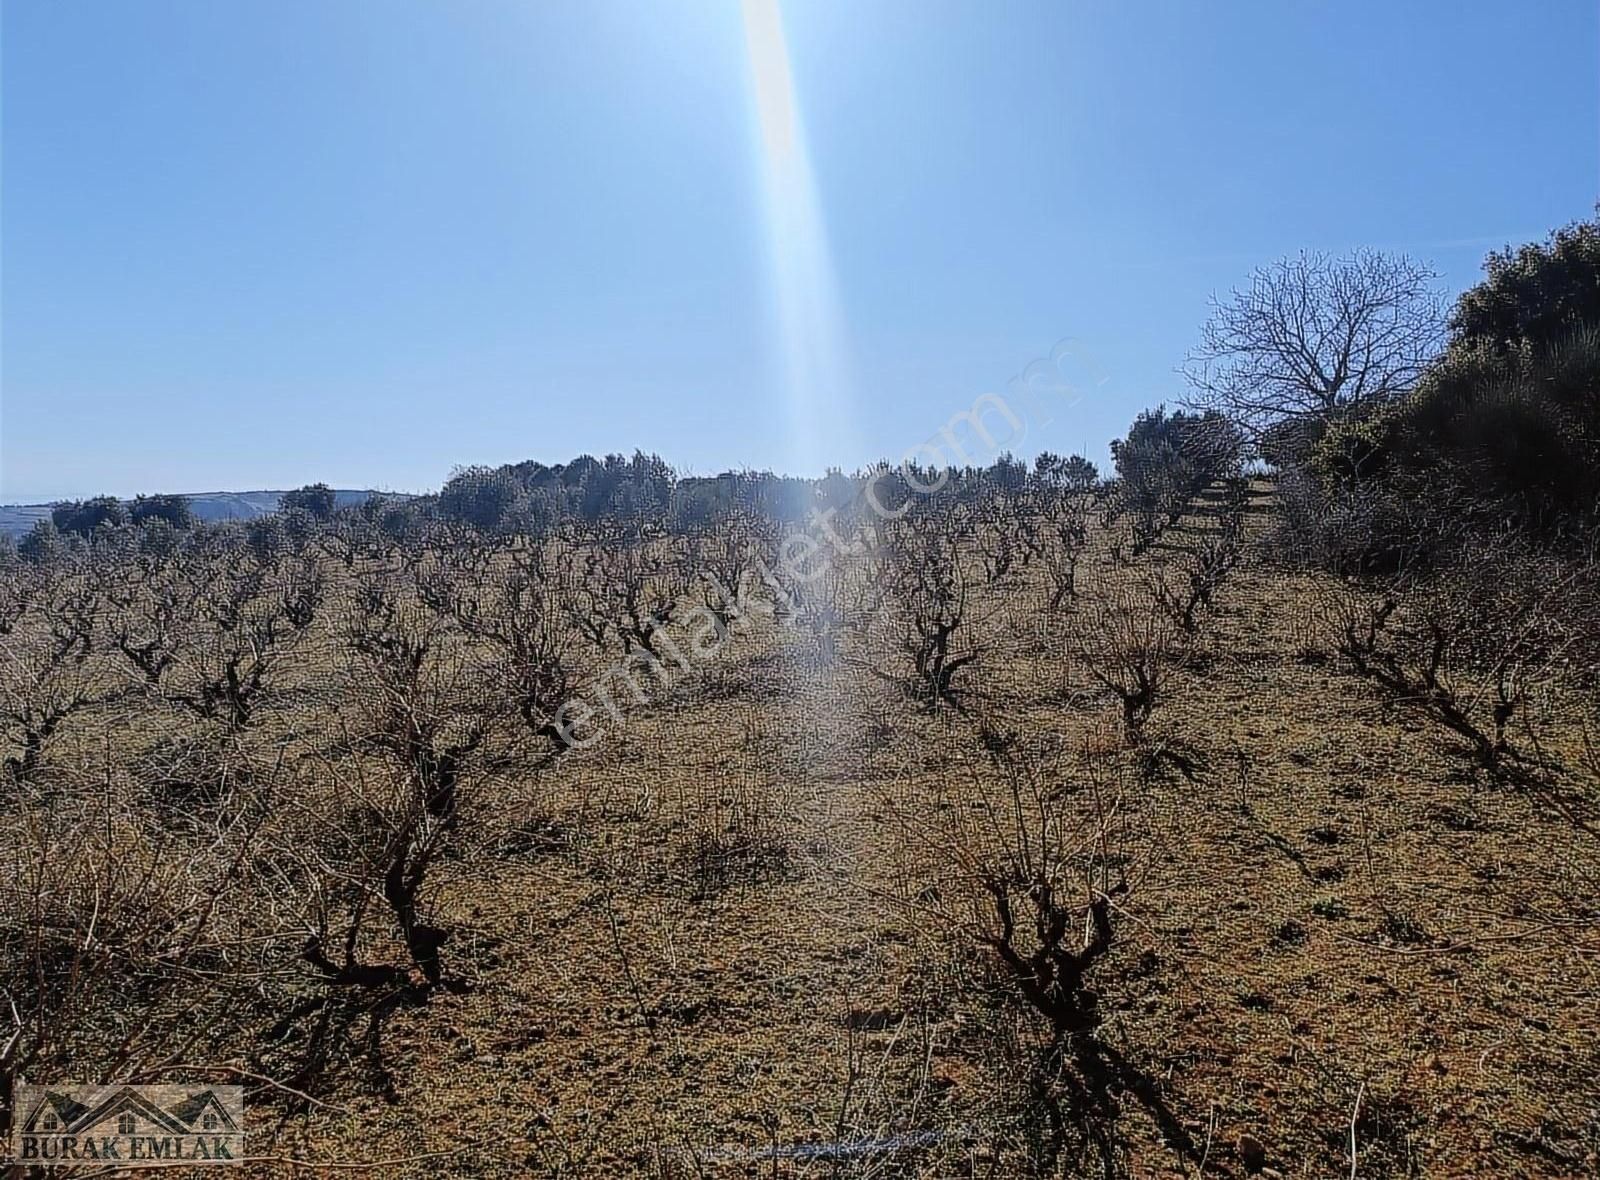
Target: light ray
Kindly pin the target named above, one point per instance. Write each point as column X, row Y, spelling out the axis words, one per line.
column 809, row 323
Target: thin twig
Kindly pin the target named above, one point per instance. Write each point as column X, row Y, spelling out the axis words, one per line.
column 1211, row 1129
column 245, row 1073
column 1355, row 1114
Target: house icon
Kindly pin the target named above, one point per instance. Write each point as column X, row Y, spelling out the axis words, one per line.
column 54, row 1113
column 203, row 1111
column 126, row 1111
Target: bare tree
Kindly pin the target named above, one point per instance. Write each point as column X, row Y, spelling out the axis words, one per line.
column 724, row 556
column 456, row 573
column 1199, row 573
column 517, row 610
column 46, row 673
column 1467, row 647
column 1017, row 852
column 430, row 726
column 623, row 585
column 1130, row 645
column 1007, row 534
column 928, row 588
column 209, row 635
column 820, row 606
column 1031, row 862
column 1313, row 335
column 119, row 926
column 18, row 586
column 1063, row 536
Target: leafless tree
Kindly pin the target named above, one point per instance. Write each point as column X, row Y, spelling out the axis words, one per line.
column 623, row 585
column 120, row 926
column 866, row 586
column 727, row 553
column 425, row 718
column 1182, row 591
column 18, row 584
column 1313, row 335
column 48, row 664
column 819, row 606
column 152, row 614
column 453, row 576
column 208, row 633
column 1466, row 646
column 929, row 595
column 503, row 592
column 1062, row 534
column 1031, row 864
column 352, row 539
column 1130, row 645
column 531, row 637
column 1006, row 530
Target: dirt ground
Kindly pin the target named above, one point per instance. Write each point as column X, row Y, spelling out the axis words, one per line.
column 1341, row 933
column 719, row 941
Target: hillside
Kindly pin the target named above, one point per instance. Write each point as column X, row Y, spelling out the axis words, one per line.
column 209, row 507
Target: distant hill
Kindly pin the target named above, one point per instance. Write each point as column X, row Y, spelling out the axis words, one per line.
column 17, row 519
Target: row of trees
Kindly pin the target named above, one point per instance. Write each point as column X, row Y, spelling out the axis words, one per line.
column 1344, row 373
column 450, row 657
column 1163, row 464
column 83, row 517
column 209, row 624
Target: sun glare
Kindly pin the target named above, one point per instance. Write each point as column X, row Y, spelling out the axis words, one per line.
column 809, row 323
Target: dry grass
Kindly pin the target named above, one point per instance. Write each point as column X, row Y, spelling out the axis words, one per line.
column 741, row 936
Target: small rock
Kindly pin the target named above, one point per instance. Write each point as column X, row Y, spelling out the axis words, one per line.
column 871, row 1019
column 1252, row 1152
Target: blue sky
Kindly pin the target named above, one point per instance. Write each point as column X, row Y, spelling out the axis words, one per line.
column 257, row 244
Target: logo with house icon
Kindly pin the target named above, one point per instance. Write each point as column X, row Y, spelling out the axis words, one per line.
column 144, row 1125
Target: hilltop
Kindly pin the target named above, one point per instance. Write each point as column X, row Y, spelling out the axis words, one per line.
column 209, row 507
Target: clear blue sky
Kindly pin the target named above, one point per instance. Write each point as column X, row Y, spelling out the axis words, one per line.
column 254, row 244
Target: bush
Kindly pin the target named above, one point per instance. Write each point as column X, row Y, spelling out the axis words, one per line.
column 739, row 831
column 41, row 545
column 1510, row 439
column 316, row 498
column 267, row 537
column 173, row 510
column 1072, row 472
column 84, row 516
column 479, row 496
column 1537, row 294
column 1168, row 459
column 1501, row 433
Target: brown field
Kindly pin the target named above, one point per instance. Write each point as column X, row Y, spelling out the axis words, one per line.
column 740, row 933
